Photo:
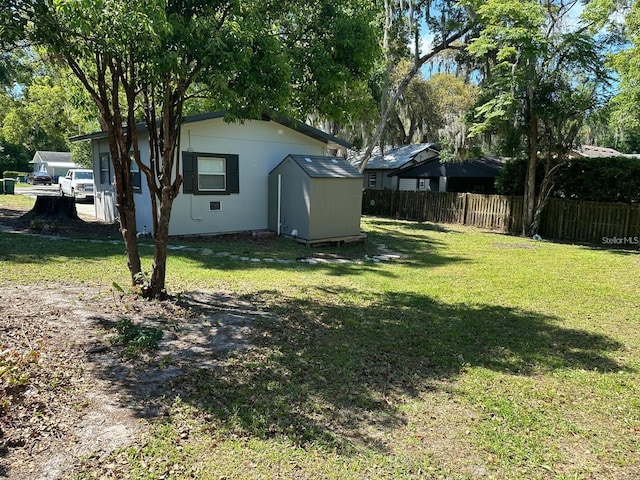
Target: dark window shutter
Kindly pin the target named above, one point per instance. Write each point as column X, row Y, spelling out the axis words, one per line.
column 189, row 172
column 233, row 174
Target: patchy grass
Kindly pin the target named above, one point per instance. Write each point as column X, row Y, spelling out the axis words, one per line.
column 17, row 202
column 478, row 355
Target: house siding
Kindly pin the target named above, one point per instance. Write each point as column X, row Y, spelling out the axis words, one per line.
column 260, row 146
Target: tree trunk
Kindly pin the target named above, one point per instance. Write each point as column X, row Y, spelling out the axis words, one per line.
column 130, row 237
column 58, row 207
column 386, row 112
column 546, row 188
column 157, row 285
column 530, row 185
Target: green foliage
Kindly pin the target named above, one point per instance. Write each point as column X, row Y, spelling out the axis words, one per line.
column 81, row 153
column 615, row 179
column 625, row 106
column 136, row 339
column 12, row 174
column 36, row 224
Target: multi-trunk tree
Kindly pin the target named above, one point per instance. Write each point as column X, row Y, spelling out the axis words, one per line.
column 144, row 60
column 542, row 71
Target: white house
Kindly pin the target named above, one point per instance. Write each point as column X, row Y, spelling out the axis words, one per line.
column 54, row 163
column 225, row 168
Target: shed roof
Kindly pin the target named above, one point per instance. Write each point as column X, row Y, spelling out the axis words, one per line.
column 291, row 123
column 325, row 167
column 397, row 157
column 51, row 158
column 483, row 167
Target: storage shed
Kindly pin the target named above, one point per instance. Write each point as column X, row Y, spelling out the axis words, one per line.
column 315, row 199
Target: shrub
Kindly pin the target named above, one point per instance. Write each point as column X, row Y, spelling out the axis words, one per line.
column 613, row 179
column 136, row 339
column 12, row 174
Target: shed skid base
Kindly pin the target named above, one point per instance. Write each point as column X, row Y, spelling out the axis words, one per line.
column 331, row 241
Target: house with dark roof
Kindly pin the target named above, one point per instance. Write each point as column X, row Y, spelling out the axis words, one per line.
column 54, row 163
column 380, row 173
column 225, row 169
column 475, row 176
column 418, row 168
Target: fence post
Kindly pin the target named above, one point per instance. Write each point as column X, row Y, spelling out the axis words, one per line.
column 465, row 205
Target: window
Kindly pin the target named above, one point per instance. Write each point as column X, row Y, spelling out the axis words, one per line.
column 372, row 179
column 210, row 173
column 136, row 181
column 105, row 169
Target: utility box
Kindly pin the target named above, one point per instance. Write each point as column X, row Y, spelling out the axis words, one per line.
column 316, row 199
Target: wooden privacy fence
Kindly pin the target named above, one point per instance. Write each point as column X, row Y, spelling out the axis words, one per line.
column 584, row 222
column 591, row 222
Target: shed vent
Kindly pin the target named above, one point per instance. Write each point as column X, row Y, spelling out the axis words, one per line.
column 215, row 206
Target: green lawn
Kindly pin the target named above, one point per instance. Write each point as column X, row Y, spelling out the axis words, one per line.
column 477, row 356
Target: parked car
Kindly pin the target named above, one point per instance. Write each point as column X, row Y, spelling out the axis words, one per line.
column 42, row 178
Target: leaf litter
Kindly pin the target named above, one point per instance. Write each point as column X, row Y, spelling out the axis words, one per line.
column 67, row 393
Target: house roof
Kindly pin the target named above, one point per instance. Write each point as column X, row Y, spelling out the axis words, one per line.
column 291, row 123
column 57, row 159
column 399, row 156
column 591, row 151
column 483, row 167
column 325, row 167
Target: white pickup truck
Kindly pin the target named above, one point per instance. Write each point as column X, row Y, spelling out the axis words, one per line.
column 77, row 183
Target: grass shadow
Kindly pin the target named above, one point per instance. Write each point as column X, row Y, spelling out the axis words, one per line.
column 328, row 373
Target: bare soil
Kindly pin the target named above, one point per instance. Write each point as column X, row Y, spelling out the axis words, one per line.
column 67, row 392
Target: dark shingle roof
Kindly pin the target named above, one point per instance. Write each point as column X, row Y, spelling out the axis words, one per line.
column 326, row 167
column 484, row 167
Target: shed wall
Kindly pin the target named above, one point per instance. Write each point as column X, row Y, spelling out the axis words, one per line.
column 295, row 200
column 335, row 207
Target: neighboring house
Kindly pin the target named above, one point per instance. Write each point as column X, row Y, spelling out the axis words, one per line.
column 475, row 176
column 225, row 169
column 315, row 198
column 379, row 173
column 54, row 163
column 418, row 168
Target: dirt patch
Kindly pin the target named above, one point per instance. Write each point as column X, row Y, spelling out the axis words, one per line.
column 81, row 397
column 25, row 221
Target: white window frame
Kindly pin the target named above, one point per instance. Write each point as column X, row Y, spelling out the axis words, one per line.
column 203, row 173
